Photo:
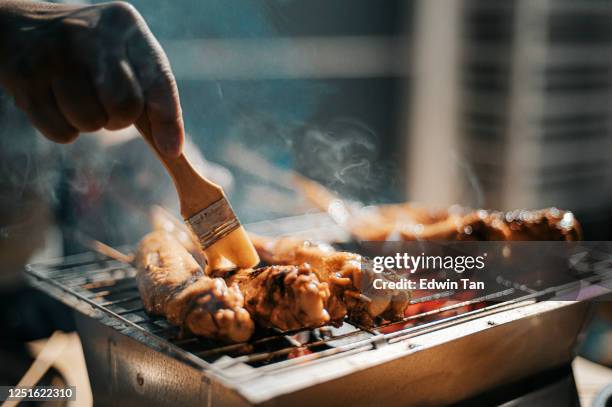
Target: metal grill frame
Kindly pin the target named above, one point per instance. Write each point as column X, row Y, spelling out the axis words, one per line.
column 85, row 301
column 59, row 279
column 72, row 279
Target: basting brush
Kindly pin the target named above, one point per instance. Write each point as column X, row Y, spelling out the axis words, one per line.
column 208, row 213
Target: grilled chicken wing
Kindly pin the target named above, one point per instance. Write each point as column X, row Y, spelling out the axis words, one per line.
column 283, row 297
column 172, row 284
column 345, row 273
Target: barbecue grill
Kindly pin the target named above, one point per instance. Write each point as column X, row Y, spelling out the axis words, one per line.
column 437, row 357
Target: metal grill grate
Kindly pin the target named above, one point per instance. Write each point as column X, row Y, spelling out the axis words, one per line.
column 106, row 289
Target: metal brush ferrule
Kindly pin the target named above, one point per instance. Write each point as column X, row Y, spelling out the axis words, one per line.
column 213, row 222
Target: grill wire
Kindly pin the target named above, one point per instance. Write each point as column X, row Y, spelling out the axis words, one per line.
column 109, row 289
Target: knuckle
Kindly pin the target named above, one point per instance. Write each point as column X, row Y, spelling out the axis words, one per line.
column 119, row 22
column 168, row 75
column 121, row 11
column 73, row 45
column 73, row 34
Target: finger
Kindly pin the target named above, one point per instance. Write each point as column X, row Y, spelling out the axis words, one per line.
column 77, row 100
column 165, row 123
column 114, row 82
column 119, row 92
column 162, row 109
column 42, row 110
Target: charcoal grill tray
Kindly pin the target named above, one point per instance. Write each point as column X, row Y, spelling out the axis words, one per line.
column 106, row 289
column 143, row 359
column 86, row 283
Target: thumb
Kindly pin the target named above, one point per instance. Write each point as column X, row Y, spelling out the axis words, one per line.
column 166, row 139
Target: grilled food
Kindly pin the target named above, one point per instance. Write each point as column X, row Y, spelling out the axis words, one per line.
column 346, row 273
column 410, row 222
column 161, row 219
column 310, row 284
column 283, row 297
column 172, row 284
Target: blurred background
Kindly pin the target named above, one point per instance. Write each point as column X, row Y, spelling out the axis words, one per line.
column 494, row 104
column 489, row 104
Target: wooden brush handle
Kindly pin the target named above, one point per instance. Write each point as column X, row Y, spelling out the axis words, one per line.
column 194, row 191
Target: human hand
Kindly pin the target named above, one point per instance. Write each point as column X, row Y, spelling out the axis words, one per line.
column 76, row 68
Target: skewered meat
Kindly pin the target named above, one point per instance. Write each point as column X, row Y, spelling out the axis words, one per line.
column 409, row 221
column 283, row 297
column 544, row 224
column 345, row 273
column 464, row 224
column 172, row 284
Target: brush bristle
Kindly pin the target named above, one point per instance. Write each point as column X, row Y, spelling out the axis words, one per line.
column 236, row 248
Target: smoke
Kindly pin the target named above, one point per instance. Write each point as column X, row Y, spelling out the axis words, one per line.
column 343, row 155
column 106, row 189
column 29, row 164
column 470, row 190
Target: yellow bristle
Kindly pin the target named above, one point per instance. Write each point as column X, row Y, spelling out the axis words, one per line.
column 235, row 248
